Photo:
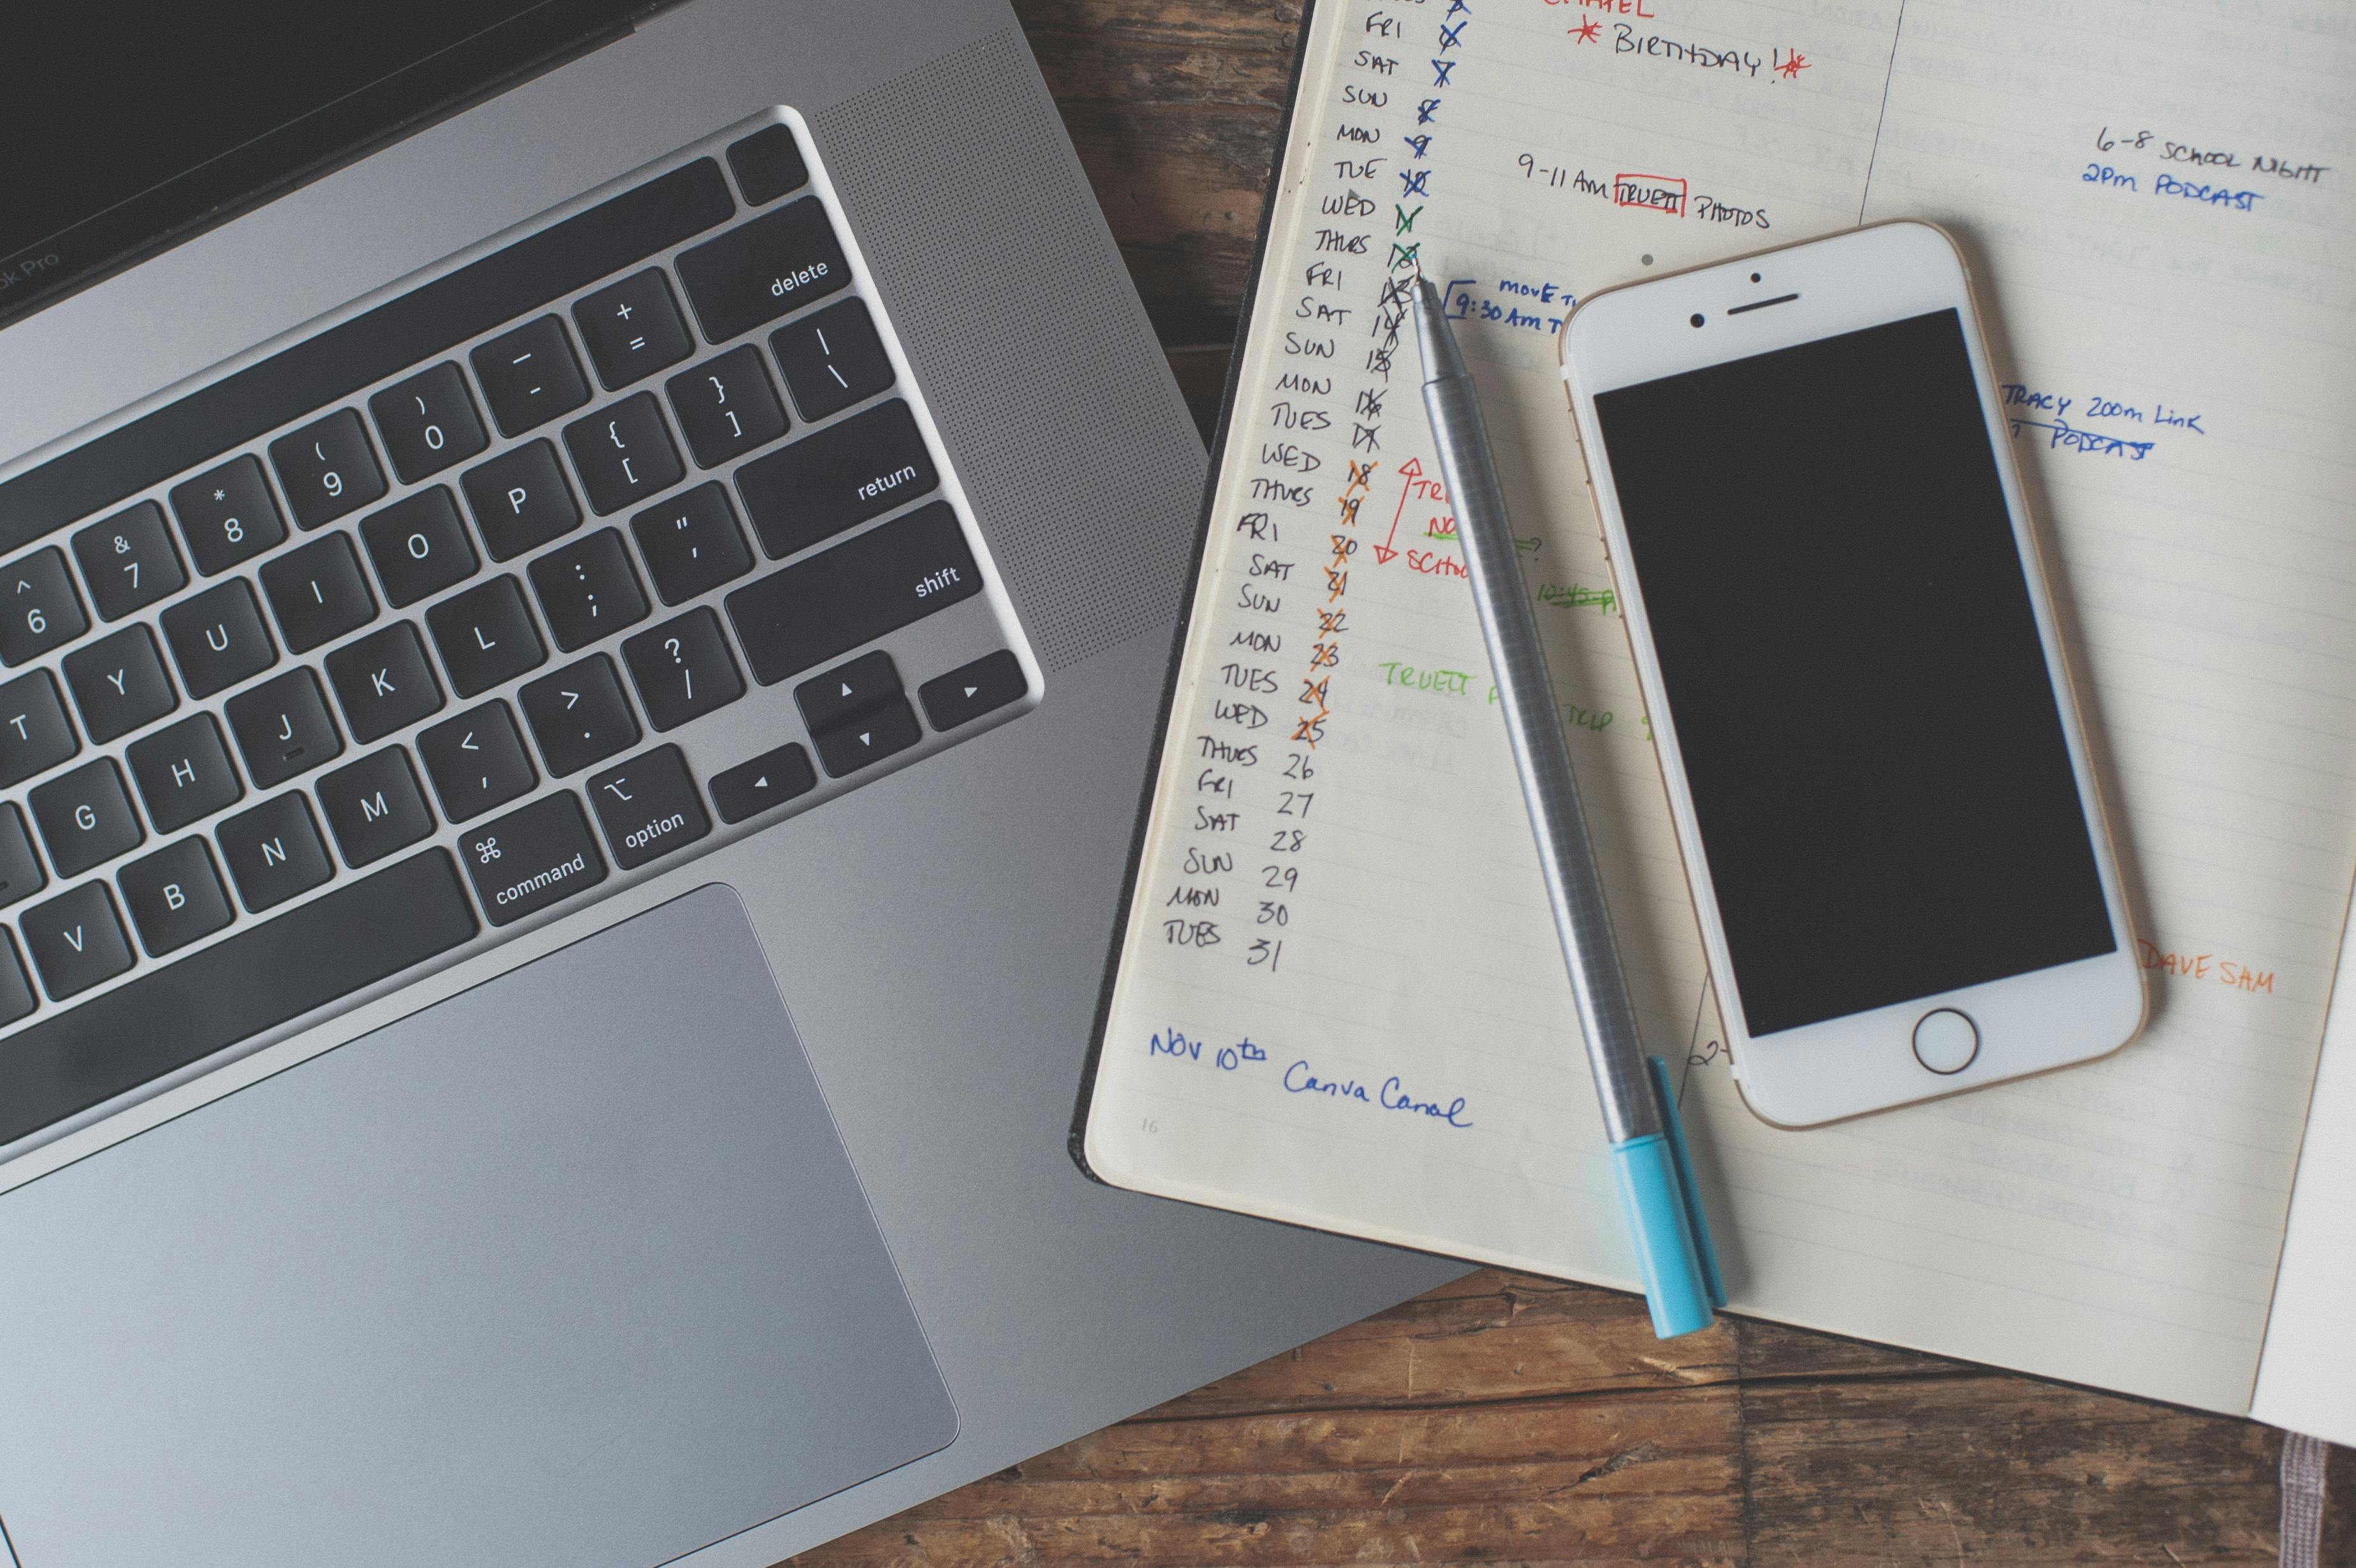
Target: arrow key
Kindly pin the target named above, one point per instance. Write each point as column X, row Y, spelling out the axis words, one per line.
column 770, row 779
column 847, row 691
column 969, row 691
column 850, row 747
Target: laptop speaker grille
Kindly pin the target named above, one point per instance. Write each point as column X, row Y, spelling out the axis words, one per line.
column 1022, row 318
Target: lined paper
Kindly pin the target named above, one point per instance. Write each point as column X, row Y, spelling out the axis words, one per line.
column 1341, row 1003
column 2306, row 1382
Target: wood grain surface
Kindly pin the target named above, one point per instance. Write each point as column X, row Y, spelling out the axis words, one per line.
column 1505, row 1419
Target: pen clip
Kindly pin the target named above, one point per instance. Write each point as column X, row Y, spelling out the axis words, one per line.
column 1689, row 1189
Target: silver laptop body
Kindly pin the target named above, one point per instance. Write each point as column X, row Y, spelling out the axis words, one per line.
column 609, row 1181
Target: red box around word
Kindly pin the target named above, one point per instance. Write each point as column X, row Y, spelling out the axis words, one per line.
column 1660, row 192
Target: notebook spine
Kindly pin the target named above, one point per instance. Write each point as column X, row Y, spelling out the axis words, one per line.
column 1077, row 1139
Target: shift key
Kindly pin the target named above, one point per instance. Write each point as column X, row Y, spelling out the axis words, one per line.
column 872, row 584
column 527, row 859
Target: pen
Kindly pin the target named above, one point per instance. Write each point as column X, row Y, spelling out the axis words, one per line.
column 1657, row 1195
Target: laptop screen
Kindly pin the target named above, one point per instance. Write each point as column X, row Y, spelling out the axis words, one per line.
column 130, row 125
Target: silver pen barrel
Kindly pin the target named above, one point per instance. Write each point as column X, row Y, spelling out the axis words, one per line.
column 1566, row 854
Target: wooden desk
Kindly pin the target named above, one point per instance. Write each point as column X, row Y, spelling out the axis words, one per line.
column 1508, row 1419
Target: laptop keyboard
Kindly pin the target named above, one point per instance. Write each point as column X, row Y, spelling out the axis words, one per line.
column 594, row 550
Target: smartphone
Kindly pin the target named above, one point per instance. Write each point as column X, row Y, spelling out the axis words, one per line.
column 1853, row 679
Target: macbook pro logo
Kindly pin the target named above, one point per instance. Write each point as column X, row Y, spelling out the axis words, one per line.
column 25, row 269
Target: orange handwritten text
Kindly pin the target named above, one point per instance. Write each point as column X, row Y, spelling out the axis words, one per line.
column 2206, row 967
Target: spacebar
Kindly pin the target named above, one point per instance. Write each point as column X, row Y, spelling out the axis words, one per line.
column 210, row 999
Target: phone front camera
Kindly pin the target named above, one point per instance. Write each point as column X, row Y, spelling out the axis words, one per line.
column 1697, row 320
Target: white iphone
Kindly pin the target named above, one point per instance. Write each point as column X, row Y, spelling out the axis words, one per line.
column 1853, row 674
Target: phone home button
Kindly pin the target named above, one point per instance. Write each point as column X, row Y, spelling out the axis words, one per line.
column 1945, row 1041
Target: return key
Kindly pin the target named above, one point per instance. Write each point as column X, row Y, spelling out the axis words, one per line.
column 837, row 479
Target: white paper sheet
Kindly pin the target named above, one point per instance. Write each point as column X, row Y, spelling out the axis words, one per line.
column 2307, row 1380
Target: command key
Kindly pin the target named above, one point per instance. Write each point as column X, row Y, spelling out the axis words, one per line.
column 522, row 862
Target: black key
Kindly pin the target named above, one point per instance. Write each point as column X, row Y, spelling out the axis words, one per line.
column 383, row 683
column 682, row 669
column 406, row 330
column 770, row 779
column 521, row 500
column 755, row 273
column 871, row 738
column 274, row 851
column 217, row 639
column 38, row 607
column 35, row 734
column 692, row 544
column 282, row 729
column 184, row 772
column 767, row 163
column 327, row 468
column 128, row 561
column 632, row 329
column 175, row 896
column 854, row 592
column 21, row 875
column 847, row 690
column 587, row 590
column 530, row 859
column 969, row 691
column 16, row 987
column 837, row 479
column 85, row 818
column 832, row 359
column 273, row 972
column 622, row 454
column 477, row 761
column 374, row 807
column 486, row 636
column 419, row 546
column 77, row 941
column 649, row 807
column 579, row 715
column 319, row 592
column 119, row 683
column 227, row 515
column 529, row 376
column 725, row 406
column 428, row 422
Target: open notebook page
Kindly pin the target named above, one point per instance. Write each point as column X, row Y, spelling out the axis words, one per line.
column 2183, row 339
column 2307, row 1380
column 1365, row 1026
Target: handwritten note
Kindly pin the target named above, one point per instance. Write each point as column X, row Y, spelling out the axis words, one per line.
column 1338, row 909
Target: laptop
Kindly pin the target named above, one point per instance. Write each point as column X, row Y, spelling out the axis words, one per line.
column 581, row 595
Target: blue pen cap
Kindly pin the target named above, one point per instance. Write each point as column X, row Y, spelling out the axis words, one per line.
column 1674, row 1255
column 1657, row 1070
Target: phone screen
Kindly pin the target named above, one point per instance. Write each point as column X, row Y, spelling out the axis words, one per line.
column 1846, row 641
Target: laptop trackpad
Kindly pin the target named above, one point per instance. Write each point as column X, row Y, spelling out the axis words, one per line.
column 570, row 1269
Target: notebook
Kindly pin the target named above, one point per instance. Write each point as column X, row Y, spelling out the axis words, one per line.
column 1337, row 999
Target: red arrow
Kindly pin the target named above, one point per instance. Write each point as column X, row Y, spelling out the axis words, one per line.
column 1409, row 471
